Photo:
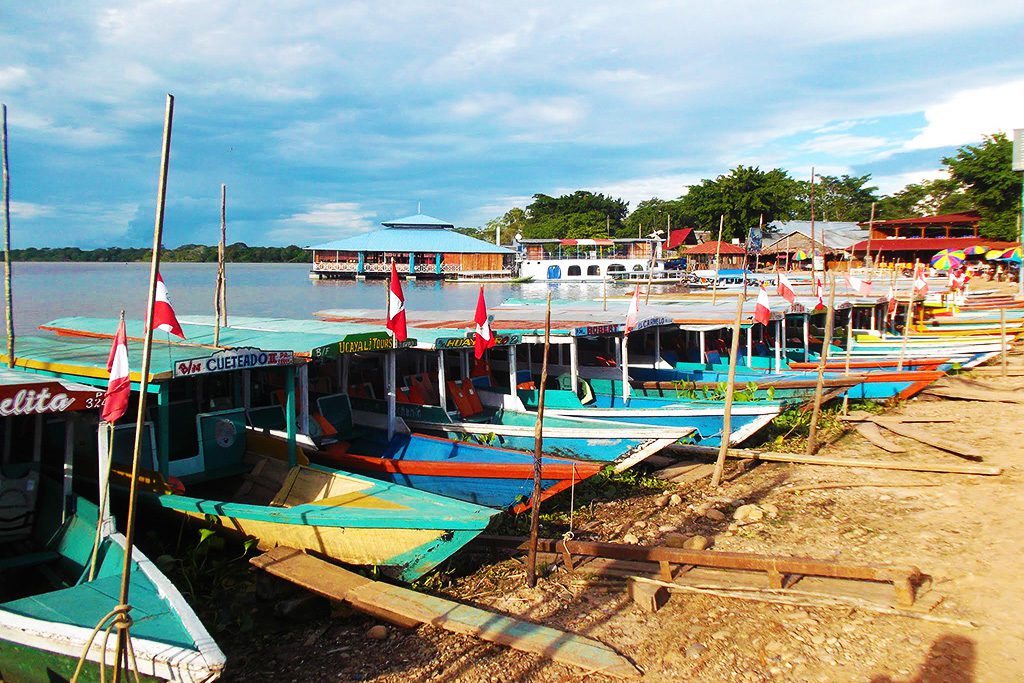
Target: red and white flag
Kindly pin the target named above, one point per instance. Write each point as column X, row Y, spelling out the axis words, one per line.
column 633, row 312
column 819, row 291
column 483, row 339
column 163, row 315
column 920, row 283
column 785, row 289
column 762, row 311
column 860, row 286
column 892, row 300
column 119, row 386
column 396, row 308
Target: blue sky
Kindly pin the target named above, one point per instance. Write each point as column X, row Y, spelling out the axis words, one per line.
column 325, row 118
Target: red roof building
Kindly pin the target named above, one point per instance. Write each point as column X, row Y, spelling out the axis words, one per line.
column 681, row 238
column 727, row 248
column 945, row 225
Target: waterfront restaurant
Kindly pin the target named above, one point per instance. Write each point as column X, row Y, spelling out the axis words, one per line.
column 421, row 246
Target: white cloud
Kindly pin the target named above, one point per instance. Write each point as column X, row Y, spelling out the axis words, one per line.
column 30, row 210
column 13, row 77
column 889, row 184
column 845, row 145
column 636, row 190
column 323, row 222
column 967, row 115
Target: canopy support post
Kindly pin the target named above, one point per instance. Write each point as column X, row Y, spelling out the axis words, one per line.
column 289, row 414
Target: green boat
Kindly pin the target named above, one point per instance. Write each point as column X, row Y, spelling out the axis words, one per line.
column 60, row 569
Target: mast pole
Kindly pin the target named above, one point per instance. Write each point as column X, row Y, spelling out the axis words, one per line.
column 8, row 294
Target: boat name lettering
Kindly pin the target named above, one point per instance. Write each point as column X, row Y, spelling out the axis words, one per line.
column 232, row 359
column 360, row 343
column 470, row 342
column 28, row 402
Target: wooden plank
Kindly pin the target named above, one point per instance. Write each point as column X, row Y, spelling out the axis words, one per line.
column 983, row 470
column 870, row 431
column 947, row 445
column 864, row 416
column 686, row 472
column 410, row 607
column 966, row 394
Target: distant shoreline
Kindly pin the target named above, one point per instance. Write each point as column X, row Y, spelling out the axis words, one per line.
column 239, row 252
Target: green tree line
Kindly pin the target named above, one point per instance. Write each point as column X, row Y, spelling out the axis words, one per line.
column 239, row 252
column 979, row 180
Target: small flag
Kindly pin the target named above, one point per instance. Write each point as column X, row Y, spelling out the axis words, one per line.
column 920, row 283
column 785, row 289
column 819, row 292
column 396, row 308
column 634, row 311
column 856, row 284
column 119, row 386
column 163, row 314
column 762, row 311
column 892, row 300
column 482, row 337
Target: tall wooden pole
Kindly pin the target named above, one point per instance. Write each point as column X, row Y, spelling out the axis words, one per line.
column 908, row 319
column 830, row 316
column 871, row 229
column 716, row 476
column 814, row 267
column 222, row 254
column 846, row 364
column 538, row 447
column 718, row 252
column 154, row 269
column 8, row 294
column 1002, row 335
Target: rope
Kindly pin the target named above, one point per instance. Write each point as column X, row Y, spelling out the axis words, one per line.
column 568, row 535
column 119, row 619
column 103, row 503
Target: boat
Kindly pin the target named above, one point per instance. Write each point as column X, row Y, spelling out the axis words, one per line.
column 61, row 558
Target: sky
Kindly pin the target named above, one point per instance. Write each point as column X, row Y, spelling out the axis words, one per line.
column 325, row 118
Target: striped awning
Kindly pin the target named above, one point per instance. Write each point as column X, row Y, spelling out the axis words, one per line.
column 586, row 243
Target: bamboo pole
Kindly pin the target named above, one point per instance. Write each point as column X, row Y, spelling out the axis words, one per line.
column 154, row 268
column 223, row 254
column 814, row 267
column 218, row 287
column 538, row 444
column 908, row 320
column 8, row 294
column 1002, row 336
column 716, row 476
column 846, row 364
column 871, row 229
column 718, row 254
column 830, row 314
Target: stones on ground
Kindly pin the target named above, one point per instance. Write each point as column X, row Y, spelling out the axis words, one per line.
column 378, row 632
column 675, row 499
column 715, row 515
column 662, row 501
column 695, row 650
column 770, row 509
column 630, row 538
column 720, row 635
column 667, row 528
column 696, row 542
column 641, row 524
column 675, row 541
column 748, row 513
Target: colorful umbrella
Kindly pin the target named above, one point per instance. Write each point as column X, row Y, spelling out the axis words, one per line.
column 976, row 250
column 801, row 255
column 947, row 259
column 1013, row 254
column 993, row 254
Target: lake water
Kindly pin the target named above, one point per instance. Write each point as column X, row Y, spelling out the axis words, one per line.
column 45, row 291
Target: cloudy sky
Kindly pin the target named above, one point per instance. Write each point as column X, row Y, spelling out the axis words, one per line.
column 325, row 118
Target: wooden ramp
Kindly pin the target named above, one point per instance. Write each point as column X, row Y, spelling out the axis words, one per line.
column 408, row 608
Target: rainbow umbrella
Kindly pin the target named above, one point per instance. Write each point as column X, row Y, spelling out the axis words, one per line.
column 947, row 259
column 1013, row 254
column 976, row 250
column 993, row 254
column 801, row 255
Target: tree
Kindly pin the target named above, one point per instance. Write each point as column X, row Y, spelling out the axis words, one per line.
column 744, row 197
column 550, row 217
column 507, row 225
column 654, row 214
column 989, row 183
column 842, row 198
column 927, row 198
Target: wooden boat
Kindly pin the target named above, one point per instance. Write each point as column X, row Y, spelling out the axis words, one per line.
column 484, row 475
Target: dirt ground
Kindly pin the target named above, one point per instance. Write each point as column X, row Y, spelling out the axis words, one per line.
column 964, row 531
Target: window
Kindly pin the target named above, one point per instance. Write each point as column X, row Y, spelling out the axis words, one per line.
column 638, row 268
column 573, row 270
column 616, row 268
column 593, row 270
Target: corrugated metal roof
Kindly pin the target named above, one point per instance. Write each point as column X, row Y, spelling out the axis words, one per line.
column 839, row 235
column 419, row 220
column 403, row 239
column 723, row 248
column 904, row 244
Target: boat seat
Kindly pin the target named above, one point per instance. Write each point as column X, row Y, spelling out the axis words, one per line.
column 267, row 417
column 28, row 560
column 466, row 401
column 336, row 409
column 221, row 446
column 423, row 383
column 19, row 486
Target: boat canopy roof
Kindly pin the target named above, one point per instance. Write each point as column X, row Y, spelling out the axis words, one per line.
column 51, row 394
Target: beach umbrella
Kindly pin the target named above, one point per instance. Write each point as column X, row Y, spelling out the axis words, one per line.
column 993, row 254
column 947, row 259
column 1013, row 254
column 976, row 250
column 801, row 255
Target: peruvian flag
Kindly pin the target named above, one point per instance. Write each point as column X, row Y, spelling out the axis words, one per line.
column 396, row 308
column 119, row 386
column 819, row 292
column 785, row 289
column 892, row 300
column 860, row 286
column 920, row 283
column 163, row 315
column 633, row 312
column 482, row 337
column 762, row 311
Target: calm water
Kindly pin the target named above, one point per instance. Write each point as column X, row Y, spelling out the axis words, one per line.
column 45, row 291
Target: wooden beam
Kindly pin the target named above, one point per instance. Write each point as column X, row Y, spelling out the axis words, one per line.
column 406, row 607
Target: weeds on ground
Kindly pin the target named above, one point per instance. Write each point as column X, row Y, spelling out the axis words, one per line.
column 788, row 432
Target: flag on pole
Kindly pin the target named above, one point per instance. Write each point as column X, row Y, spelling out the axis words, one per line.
column 892, row 300
column 785, row 289
column 856, row 284
column 482, row 337
column 396, row 308
column 633, row 312
column 163, row 314
column 920, row 283
column 119, row 386
column 762, row 311
column 819, row 291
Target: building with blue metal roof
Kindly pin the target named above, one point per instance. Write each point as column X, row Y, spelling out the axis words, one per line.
column 421, row 246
